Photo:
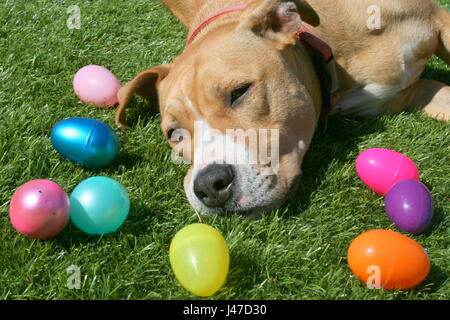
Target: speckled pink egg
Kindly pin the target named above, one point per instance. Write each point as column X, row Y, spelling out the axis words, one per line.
column 381, row 168
column 39, row 209
column 96, row 85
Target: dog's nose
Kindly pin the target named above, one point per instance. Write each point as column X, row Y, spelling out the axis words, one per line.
column 212, row 186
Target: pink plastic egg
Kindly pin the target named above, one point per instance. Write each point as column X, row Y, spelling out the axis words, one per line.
column 39, row 209
column 381, row 168
column 96, row 85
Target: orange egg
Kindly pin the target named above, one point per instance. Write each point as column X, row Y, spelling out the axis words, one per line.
column 388, row 259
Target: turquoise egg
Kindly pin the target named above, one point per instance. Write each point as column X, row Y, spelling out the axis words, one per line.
column 99, row 205
column 88, row 142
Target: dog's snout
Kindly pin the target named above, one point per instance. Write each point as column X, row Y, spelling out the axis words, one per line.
column 212, row 185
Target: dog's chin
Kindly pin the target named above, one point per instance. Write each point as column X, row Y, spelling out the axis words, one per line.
column 250, row 200
column 253, row 211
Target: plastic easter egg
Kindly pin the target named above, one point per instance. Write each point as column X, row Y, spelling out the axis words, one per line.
column 88, row 142
column 99, row 205
column 409, row 205
column 200, row 259
column 96, row 85
column 381, row 168
column 388, row 258
column 39, row 209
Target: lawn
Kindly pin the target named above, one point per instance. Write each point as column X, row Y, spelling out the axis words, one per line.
column 297, row 252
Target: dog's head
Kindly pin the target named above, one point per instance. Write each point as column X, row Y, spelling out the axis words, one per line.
column 240, row 105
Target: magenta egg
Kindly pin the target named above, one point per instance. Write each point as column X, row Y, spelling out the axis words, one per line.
column 381, row 168
column 410, row 206
column 96, row 85
column 39, row 209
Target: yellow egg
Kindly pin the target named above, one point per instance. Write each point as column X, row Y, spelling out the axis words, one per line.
column 200, row 259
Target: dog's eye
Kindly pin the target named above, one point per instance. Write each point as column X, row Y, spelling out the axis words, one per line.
column 175, row 135
column 237, row 95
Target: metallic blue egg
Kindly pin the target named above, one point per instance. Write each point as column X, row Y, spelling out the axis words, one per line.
column 88, row 142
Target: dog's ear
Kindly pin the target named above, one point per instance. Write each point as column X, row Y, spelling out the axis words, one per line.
column 308, row 14
column 146, row 85
column 280, row 21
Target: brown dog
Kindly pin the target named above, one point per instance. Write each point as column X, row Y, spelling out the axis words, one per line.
column 244, row 69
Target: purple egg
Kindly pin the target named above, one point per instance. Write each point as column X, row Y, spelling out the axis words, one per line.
column 409, row 205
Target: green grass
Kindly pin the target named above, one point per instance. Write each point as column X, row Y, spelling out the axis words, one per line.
column 297, row 252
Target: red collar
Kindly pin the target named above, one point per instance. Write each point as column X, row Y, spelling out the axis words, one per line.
column 233, row 8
